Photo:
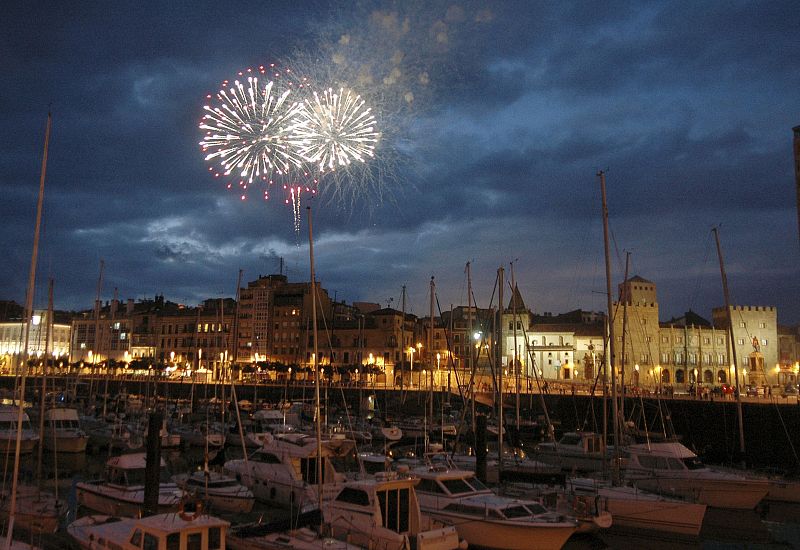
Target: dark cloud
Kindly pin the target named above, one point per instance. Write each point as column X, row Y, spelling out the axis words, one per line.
column 495, row 118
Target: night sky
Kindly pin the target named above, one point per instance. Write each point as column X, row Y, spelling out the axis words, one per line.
column 495, row 118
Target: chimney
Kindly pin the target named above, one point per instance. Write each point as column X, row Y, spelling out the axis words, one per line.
column 129, row 307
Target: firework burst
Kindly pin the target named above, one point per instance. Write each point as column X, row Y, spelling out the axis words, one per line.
column 251, row 128
column 336, row 129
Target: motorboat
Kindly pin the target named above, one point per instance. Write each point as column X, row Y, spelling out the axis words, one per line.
column 268, row 537
column 63, row 432
column 456, row 497
column 174, row 531
column 283, row 472
column 576, row 451
column 122, row 492
column 8, row 431
column 672, row 469
column 384, row 512
column 633, row 508
column 221, row 493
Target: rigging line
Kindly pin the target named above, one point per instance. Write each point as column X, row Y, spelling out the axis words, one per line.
column 700, row 276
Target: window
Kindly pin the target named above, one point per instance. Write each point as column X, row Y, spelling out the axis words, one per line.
column 136, row 538
column 740, row 341
column 194, row 541
column 665, row 339
column 706, row 340
column 214, row 539
column 742, row 324
column 762, row 325
column 763, row 341
column 150, row 542
column 353, row 496
column 174, row 541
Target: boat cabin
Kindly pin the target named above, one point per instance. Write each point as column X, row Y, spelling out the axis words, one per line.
column 159, row 532
column 585, row 442
column 129, row 470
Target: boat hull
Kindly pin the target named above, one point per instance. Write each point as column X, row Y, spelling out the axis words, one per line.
column 507, row 535
column 719, row 493
column 124, row 503
column 67, row 444
column 677, row 517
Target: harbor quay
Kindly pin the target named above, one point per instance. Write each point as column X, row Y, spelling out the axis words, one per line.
column 706, row 424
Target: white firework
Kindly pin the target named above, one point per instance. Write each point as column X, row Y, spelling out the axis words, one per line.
column 252, row 132
column 336, row 129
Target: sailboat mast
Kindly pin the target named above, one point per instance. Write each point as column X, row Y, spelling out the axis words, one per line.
column 729, row 316
column 515, row 355
column 28, row 321
column 610, row 351
column 317, row 411
column 499, row 363
column 402, row 343
column 469, row 348
column 430, row 353
column 43, row 397
column 624, row 300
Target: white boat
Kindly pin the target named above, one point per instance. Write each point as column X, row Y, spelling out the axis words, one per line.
column 265, row 423
column 122, row 492
column 176, row 531
column 634, row 508
column 670, row 468
column 284, row 471
column 455, row 497
column 202, row 436
column 383, row 512
column 304, row 538
column 221, row 492
column 35, row 511
column 62, row 431
column 575, row 451
column 8, row 431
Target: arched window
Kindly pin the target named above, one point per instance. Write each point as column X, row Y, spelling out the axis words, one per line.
column 722, row 376
column 665, row 377
column 708, row 376
column 680, row 376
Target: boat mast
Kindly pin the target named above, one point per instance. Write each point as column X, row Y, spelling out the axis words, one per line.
column 402, row 345
column 114, row 304
column 469, row 347
column 499, row 363
column 235, row 357
column 729, row 316
column 96, row 341
column 515, row 371
column 315, row 359
column 28, row 321
column 430, row 355
column 624, row 299
column 43, row 397
column 610, row 350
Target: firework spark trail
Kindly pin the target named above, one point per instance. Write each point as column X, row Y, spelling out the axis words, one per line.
column 253, row 131
column 337, row 129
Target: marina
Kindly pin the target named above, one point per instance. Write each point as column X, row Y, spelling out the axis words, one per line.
column 771, row 523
